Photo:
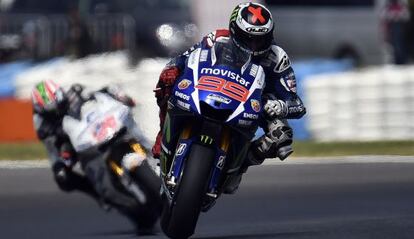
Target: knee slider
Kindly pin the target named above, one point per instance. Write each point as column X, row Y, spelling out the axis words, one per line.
column 280, row 133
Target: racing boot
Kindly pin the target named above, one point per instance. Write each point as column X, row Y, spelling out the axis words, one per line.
column 276, row 143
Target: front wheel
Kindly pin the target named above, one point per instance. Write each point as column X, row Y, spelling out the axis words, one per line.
column 181, row 218
column 150, row 183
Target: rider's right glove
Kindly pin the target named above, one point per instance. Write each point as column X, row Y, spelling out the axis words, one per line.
column 276, row 109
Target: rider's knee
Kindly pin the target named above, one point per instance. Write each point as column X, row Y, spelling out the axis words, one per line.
column 276, row 143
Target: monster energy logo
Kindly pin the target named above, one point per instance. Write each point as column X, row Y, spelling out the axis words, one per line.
column 206, row 139
column 234, row 14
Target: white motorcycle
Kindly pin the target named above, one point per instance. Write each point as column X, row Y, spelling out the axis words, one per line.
column 113, row 159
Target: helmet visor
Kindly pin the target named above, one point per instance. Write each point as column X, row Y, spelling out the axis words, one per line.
column 254, row 43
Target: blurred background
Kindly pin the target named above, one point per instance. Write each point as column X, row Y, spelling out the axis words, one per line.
column 353, row 58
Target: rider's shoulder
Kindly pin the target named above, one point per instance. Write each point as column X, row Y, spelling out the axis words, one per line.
column 216, row 36
column 277, row 59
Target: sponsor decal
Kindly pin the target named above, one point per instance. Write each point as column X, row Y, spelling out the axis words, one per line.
column 253, row 70
column 227, row 88
column 296, row 109
column 203, row 55
column 250, row 116
column 220, row 163
column 206, row 139
column 184, row 84
column 182, row 95
column 182, row 105
column 219, row 98
column 226, row 73
column 256, row 15
column 257, row 29
column 234, row 14
column 289, row 82
column 255, row 105
column 245, row 122
column 292, row 85
column 282, row 65
column 181, row 149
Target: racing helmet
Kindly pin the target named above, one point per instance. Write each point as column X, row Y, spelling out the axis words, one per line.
column 49, row 98
column 251, row 28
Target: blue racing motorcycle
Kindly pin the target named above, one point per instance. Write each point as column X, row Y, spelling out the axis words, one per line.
column 213, row 114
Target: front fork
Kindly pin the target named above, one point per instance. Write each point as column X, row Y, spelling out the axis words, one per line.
column 174, row 171
column 124, row 173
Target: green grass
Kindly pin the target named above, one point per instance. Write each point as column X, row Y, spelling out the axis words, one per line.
column 318, row 149
column 24, row 151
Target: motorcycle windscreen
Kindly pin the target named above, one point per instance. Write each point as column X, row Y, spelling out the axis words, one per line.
column 227, row 80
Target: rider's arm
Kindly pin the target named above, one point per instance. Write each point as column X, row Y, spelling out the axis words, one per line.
column 176, row 65
column 45, row 133
column 118, row 94
column 281, row 83
column 207, row 41
column 58, row 147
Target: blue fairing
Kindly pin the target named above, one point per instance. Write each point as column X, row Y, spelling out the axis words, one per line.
column 235, row 91
column 217, row 88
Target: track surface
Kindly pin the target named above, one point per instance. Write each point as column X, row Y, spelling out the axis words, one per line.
column 317, row 200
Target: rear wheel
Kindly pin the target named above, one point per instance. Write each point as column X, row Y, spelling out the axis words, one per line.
column 143, row 214
column 181, row 221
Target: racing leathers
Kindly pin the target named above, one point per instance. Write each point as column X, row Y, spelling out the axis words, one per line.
column 280, row 99
column 61, row 154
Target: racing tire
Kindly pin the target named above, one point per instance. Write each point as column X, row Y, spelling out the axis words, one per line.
column 150, row 183
column 191, row 190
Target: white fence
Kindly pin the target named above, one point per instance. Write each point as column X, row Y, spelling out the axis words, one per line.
column 371, row 104
column 100, row 70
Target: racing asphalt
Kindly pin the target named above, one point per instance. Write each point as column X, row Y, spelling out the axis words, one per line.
column 336, row 198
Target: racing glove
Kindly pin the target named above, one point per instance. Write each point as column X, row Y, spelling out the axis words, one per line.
column 165, row 83
column 276, row 109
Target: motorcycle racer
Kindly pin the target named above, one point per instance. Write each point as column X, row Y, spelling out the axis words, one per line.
column 50, row 104
column 251, row 30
